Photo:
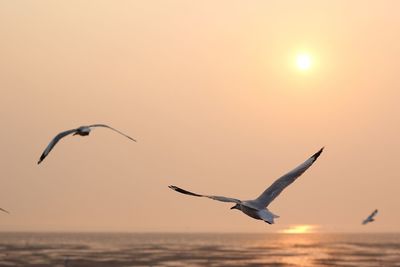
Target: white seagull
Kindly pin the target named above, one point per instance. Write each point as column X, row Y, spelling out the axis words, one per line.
column 82, row 131
column 257, row 208
column 370, row 218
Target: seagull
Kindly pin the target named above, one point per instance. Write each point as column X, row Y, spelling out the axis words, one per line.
column 82, row 131
column 3, row 210
column 370, row 218
column 257, row 208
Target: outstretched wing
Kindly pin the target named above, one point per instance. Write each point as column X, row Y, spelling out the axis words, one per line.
column 370, row 217
column 218, row 198
column 109, row 127
column 279, row 185
column 53, row 142
column 4, row 210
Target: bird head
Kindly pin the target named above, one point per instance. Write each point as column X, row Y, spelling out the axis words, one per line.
column 237, row 206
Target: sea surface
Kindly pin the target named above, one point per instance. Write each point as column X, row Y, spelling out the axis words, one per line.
column 102, row 249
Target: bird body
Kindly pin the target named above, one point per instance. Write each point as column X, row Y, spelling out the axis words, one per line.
column 249, row 211
column 258, row 214
column 257, row 208
column 82, row 131
column 370, row 218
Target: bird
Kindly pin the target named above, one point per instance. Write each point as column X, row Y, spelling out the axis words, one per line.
column 370, row 218
column 257, row 208
column 3, row 210
column 82, row 131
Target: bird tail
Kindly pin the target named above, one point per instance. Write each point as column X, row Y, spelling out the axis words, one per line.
column 267, row 216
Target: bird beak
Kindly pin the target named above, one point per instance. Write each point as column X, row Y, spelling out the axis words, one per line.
column 233, row 207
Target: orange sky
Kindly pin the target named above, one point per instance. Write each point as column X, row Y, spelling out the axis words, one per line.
column 210, row 90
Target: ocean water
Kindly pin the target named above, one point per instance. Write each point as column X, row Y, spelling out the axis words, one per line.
column 102, row 249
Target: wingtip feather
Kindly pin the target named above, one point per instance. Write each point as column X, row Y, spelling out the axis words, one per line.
column 316, row 155
column 6, row 211
column 41, row 159
column 183, row 191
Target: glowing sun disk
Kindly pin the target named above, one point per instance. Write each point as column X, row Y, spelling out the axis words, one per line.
column 299, row 229
column 303, row 61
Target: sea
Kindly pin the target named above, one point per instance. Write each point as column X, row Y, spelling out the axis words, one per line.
column 156, row 249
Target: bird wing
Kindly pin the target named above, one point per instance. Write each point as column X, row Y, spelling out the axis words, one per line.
column 109, row 127
column 4, row 210
column 372, row 215
column 53, row 142
column 279, row 185
column 218, row 198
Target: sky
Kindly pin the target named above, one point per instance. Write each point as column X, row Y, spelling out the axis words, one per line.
column 211, row 92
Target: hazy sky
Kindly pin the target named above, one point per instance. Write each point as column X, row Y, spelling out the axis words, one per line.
column 210, row 90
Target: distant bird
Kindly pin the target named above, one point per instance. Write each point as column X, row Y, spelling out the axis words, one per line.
column 4, row 210
column 257, row 208
column 370, row 218
column 82, row 131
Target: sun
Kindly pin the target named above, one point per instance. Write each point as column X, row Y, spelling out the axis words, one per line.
column 303, row 61
column 299, row 229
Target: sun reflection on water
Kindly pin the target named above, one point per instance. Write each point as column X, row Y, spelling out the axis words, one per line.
column 302, row 243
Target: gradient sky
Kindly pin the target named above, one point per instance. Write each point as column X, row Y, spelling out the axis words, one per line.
column 210, row 90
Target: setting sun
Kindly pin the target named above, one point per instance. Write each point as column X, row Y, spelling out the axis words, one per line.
column 303, row 61
column 299, row 229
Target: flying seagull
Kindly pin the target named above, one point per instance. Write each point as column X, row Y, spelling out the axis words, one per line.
column 257, row 208
column 82, row 131
column 4, row 210
column 370, row 218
